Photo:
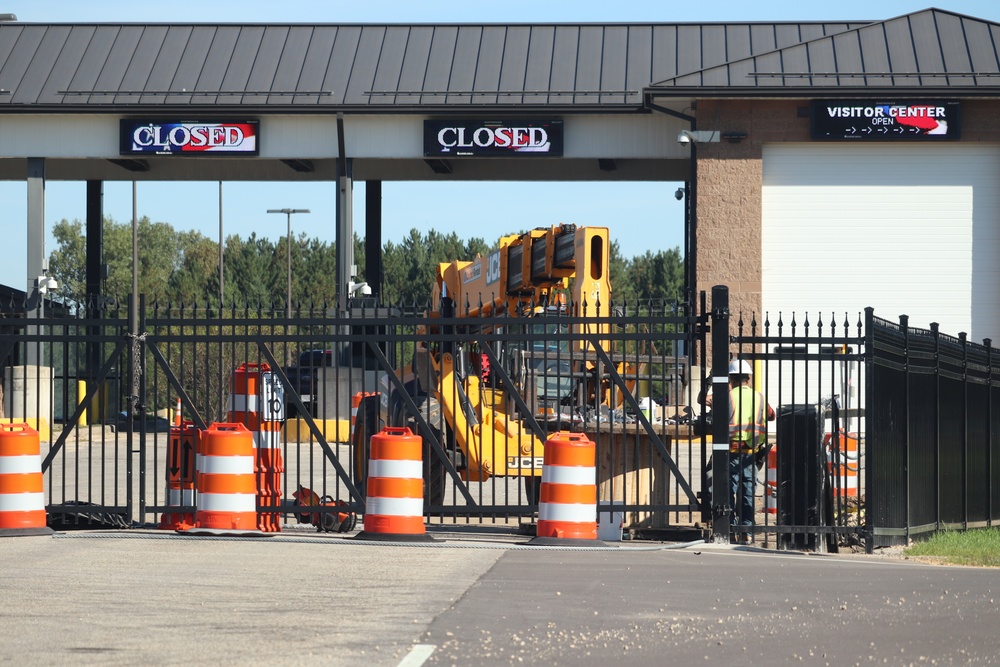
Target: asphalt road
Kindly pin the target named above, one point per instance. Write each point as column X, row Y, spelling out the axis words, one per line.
column 149, row 598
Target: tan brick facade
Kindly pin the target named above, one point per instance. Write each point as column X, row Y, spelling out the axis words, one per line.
column 730, row 179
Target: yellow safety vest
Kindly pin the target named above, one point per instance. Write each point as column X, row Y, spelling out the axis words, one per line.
column 747, row 416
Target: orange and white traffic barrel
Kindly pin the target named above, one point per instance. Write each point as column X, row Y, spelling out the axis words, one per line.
column 227, row 489
column 394, row 504
column 182, row 447
column 22, row 500
column 567, row 500
column 771, row 482
column 843, row 464
column 257, row 400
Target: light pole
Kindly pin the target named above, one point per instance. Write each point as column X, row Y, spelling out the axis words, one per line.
column 288, row 213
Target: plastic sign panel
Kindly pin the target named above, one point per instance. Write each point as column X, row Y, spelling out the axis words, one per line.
column 867, row 120
column 272, row 398
column 476, row 138
column 148, row 137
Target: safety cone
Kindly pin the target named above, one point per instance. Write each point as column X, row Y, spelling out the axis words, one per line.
column 22, row 500
column 394, row 506
column 567, row 502
column 227, row 490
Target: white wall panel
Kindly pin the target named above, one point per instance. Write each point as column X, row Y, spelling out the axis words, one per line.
column 905, row 228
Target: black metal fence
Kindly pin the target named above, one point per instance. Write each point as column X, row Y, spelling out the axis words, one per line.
column 882, row 432
column 809, row 369
column 104, row 392
column 934, row 413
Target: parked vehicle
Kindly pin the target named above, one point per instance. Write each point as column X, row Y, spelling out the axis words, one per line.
column 306, row 377
column 147, row 423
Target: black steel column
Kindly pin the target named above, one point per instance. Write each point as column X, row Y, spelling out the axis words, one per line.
column 721, row 508
column 374, row 272
column 94, row 269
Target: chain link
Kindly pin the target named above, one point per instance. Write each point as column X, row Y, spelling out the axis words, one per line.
column 137, row 342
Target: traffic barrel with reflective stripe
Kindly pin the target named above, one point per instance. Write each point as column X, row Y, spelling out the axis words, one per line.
column 567, row 501
column 182, row 446
column 257, row 400
column 771, row 483
column 22, row 499
column 843, row 463
column 355, row 404
column 227, row 490
column 394, row 503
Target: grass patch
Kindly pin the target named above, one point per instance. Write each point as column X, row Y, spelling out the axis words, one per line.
column 980, row 548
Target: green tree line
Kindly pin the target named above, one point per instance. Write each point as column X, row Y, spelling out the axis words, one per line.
column 183, row 266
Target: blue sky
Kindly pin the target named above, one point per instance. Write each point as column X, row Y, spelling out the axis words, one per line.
column 630, row 210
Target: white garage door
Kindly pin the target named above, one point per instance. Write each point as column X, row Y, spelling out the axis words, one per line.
column 906, row 228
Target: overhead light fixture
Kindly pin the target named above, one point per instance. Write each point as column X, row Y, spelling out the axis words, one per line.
column 131, row 165
column 301, row 166
column 607, row 164
column 734, row 137
column 439, row 166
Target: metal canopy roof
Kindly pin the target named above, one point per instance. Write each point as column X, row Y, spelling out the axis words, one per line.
column 368, row 68
column 919, row 52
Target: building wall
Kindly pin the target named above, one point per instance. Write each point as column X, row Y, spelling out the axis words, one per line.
column 730, row 180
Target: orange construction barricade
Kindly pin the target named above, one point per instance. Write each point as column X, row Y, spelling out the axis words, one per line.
column 843, row 463
column 771, row 482
column 22, row 500
column 567, row 502
column 257, row 400
column 227, row 490
column 181, row 448
column 394, row 506
column 355, row 404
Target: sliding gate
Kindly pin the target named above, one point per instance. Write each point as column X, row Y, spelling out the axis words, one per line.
column 105, row 393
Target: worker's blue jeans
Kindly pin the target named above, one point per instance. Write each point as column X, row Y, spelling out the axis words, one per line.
column 742, row 483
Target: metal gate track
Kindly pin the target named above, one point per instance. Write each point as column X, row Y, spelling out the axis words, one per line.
column 274, row 538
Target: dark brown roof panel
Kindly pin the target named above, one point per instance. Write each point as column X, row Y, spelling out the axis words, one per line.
column 66, row 64
column 488, row 65
column 928, row 50
column 436, row 67
column 588, row 70
column 241, row 63
column 412, row 73
column 513, row 64
column 463, row 75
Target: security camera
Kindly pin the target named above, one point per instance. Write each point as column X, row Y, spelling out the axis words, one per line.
column 679, row 195
column 364, row 289
column 46, row 284
column 698, row 136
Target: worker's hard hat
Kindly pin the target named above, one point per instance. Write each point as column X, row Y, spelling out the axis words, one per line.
column 740, row 368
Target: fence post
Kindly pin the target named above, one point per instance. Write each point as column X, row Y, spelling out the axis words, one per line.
column 935, row 332
column 721, row 509
column 963, row 338
column 988, row 344
column 870, row 445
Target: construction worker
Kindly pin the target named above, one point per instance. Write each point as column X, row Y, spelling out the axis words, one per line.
column 748, row 417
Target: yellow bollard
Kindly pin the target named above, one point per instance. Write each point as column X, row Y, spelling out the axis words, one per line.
column 81, row 392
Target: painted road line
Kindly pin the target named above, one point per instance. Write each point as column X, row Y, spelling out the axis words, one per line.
column 417, row 655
